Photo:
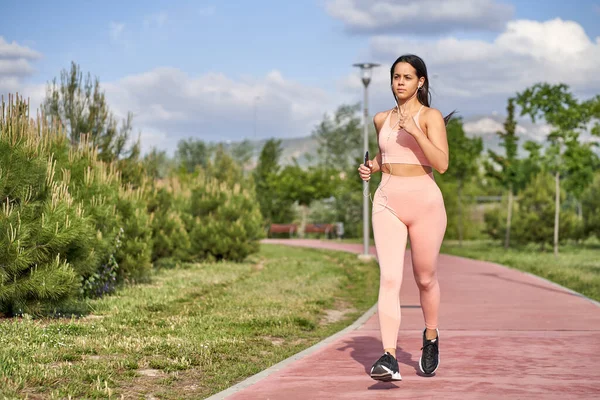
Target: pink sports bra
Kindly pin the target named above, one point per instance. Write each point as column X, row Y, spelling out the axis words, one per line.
column 399, row 146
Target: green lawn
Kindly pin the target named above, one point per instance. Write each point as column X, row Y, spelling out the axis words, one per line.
column 577, row 267
column 192, row 332
column 197, row 330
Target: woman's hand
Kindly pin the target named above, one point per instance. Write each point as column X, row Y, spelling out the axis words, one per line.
column 365, row 170
column 409, row 124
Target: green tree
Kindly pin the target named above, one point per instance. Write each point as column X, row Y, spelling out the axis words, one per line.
column 224, row 168
column 157, row 164
column 528, row 168
column 533, row 219
column 191, row 153
column 580, row 162
column 533, row 164
column 275, row 206
column 504, row 168
column 79, row 106
column 340, row 138
column 242, row 153
column 591, row 207
column 559, row 108
column 305, row 186
column 463, row 165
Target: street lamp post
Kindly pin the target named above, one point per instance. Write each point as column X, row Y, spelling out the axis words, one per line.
column 366, row 69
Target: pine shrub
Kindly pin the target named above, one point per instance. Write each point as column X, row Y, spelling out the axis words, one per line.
column 70, row 228
column 45, row 236
column 226, row 222
column 170, row 237
column 134, row 254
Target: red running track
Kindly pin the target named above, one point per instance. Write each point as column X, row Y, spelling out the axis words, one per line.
column 504, row 334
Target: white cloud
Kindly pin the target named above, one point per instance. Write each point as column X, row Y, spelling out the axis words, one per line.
column 16, row 65
column 526, row 52
column 420, row 16
column 488, row 127
column 538, row 132
column 169, row 105
column 483, row 126
column 16, row 51
column 116, row 30
column 476, row 76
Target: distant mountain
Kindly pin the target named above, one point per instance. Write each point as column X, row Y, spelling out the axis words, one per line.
column 297, row 148
column 484, row 126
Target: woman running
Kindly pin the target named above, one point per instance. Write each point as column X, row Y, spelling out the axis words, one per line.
column 408, row 204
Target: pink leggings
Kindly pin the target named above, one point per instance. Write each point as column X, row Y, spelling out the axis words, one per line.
column 407, row 207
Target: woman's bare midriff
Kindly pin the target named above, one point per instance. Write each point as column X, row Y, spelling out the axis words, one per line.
column 405, row 169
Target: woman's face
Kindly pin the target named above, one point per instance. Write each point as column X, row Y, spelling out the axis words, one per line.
column 405, row 81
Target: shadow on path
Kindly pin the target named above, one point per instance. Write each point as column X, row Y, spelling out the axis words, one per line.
column 366, row 350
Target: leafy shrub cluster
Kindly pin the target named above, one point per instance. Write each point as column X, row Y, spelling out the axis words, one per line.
column 71, row 227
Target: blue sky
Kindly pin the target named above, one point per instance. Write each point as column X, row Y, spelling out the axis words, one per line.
column 201, row 68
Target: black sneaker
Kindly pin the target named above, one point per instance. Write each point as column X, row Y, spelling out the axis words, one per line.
column 386, row 369
column 430, row 358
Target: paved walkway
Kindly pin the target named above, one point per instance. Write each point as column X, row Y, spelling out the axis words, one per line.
column 504, row 334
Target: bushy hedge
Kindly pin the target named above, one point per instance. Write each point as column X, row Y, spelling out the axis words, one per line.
column 46, row 239
column 70, row 227
column 226, row 222
column 166, row 206
column 202, row 218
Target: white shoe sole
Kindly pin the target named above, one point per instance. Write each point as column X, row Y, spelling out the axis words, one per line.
column 386, row 376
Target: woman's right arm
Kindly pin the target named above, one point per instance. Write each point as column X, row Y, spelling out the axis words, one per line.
column 374, row 165
column 378, row 121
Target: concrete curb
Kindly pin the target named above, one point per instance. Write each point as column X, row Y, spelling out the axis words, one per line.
column 357, row 324
column 282, row 364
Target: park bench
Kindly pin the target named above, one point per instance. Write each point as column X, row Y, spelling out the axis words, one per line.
column 327, row 229
column 283, row 228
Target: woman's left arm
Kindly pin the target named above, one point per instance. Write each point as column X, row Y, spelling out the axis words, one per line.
column 435, row 143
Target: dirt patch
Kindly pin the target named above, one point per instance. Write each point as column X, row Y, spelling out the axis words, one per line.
column 275, row 341
column 150, row 372
column 337, row 313
column 60, row 364
column 93, row 317
column 151, row 384
column 258, row 267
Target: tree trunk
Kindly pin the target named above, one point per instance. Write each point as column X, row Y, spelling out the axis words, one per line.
column 303, row 221
column 508, row 217
column 580, row 210
column 556, row 213
column 460, row 217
